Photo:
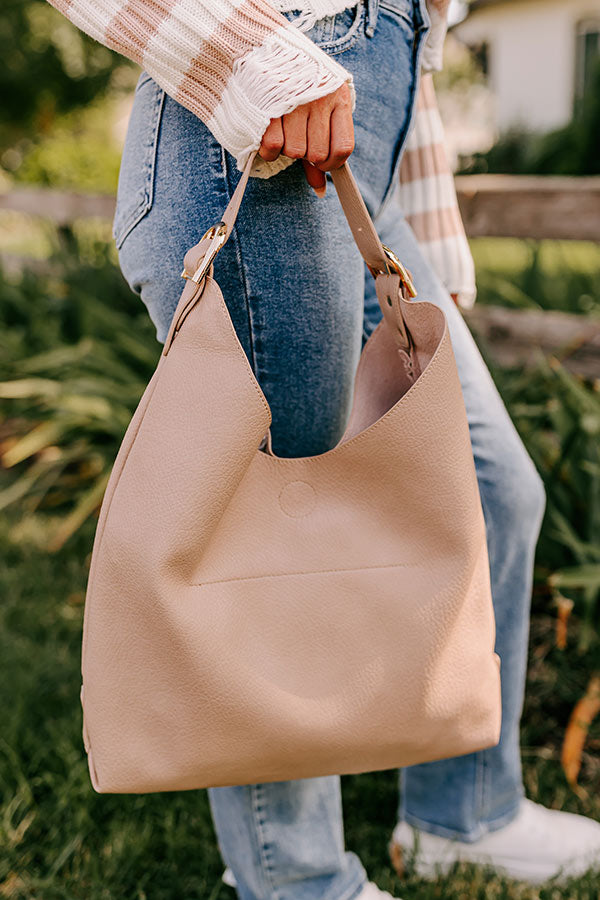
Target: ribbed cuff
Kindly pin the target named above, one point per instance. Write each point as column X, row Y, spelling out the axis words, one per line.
column 271, row 80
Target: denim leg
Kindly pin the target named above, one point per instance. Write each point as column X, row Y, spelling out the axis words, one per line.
column 283, row 840
column 466, row 796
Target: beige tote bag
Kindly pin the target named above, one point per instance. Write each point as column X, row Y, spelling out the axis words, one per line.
column 255, row 618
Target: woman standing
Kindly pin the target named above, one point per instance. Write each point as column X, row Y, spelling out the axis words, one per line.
column 311, row 82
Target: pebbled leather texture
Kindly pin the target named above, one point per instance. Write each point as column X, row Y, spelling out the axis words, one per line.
column 254, row 618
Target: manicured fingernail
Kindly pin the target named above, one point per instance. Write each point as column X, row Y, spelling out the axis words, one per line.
column 320, row 191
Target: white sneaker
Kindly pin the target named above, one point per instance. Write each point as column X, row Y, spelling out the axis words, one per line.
column 369, row 892
column 372, row 892
column 229, row 878
column 538, row 844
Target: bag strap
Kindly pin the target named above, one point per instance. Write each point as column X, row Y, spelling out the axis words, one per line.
column 392, row 279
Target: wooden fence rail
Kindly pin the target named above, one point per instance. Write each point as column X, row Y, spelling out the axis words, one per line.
column 491, row 205
column 62, row 208
column 512, row 335
column 521, row 206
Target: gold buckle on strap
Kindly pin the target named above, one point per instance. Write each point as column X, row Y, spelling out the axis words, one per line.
column 218, row 233
column 393, row 265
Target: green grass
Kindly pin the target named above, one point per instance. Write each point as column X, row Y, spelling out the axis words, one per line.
column 82, row 363
column 562, row 275
column 59, row 839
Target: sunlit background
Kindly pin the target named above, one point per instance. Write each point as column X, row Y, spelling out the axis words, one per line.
column 520, row 99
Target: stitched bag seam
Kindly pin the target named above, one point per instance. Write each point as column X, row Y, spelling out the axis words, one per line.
column 309, row 572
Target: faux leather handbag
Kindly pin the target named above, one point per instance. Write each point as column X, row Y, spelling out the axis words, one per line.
column 254, row 618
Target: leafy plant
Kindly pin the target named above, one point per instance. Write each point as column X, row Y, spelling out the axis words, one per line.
column 48, row 67
column 558, row 416
column 78, row 350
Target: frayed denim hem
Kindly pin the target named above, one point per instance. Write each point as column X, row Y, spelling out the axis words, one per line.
column 474, row 834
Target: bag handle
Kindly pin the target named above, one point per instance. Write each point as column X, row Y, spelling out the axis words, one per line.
column 392, row 279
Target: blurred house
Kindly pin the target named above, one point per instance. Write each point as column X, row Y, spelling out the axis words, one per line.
column 538, row 56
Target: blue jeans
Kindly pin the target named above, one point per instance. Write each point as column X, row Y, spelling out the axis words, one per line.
column 303, row 304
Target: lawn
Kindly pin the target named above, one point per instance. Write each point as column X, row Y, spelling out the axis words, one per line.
column 76, row 350
column 562, row 275
column 72, row 367
column 59, row 839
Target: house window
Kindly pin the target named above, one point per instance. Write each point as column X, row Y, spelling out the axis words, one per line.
column 587, row 56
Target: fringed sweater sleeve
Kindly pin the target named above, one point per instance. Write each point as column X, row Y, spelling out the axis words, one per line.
column 236, row 64
column 428, row 198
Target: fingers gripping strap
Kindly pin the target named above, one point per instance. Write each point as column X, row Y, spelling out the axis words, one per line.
column 356, row 213
column 389, row 286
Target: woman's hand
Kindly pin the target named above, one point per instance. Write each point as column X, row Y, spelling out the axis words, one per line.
column 320, row 133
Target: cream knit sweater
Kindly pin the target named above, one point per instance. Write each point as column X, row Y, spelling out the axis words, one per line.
column 236, row 64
